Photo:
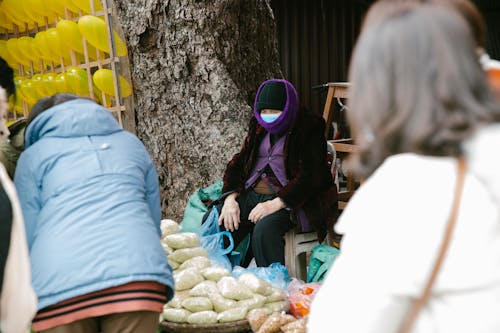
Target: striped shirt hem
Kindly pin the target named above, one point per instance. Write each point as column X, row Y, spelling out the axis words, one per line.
column 130, row 297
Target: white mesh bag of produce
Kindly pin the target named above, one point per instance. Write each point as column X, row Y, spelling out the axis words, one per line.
column 278, row 306
column 202, row 317
column 257, row 301
column 215, row 273
column 176, row 301
column 221, row 303
column 277, row 295
column 256, row 284
column 182, row 240
column 229, row 287
column 182, row 255
column 204, row 289
column 168, row 250
column 168, row 227
column 174, row 264
column 234, row 314
column 187, row 278
column 196, row 262
column 197, row 304
column 176, row 315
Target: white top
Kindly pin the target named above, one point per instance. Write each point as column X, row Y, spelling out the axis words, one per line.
column 488, row 63
column 393, row 227
column 17, row 299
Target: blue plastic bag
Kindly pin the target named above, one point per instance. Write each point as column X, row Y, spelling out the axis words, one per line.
column 211, row 225
column 212, row 239
column 276, row 274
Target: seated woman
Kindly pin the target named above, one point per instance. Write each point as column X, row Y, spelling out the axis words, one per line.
column 280, row 179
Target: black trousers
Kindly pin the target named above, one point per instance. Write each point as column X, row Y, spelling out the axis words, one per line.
column 267, row 242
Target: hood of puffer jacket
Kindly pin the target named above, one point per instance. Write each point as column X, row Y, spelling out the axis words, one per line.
column 79, row 117
column 483, row 159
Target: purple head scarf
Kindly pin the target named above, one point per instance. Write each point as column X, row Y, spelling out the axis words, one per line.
column 287, row 117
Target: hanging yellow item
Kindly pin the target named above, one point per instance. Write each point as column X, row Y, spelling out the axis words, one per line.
column 15, row 52
column 103, row 79
column 39, row 85
column 28, row 51
column 26, row 48
column 36, row 11
column 103, row 100
column 84, row 5
column 61, row 83
column 4, row 22
column 56, row 48
column 29, row 92
column 4, row 53
column 70, row 5
column 55, row 6
column 94, row 31
column 49, row 83
column 69, row 32
column 14, row 12
column 44, row 48
column 77, row 81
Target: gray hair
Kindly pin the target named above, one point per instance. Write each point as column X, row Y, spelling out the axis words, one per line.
column 417, row 86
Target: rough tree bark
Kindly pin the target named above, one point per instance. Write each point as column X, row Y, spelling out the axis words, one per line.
column 195, row 67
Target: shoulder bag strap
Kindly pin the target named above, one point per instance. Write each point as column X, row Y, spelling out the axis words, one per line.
column 420, row 302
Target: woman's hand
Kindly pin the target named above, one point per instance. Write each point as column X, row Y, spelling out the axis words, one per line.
column 265, row 208
column 230, row 213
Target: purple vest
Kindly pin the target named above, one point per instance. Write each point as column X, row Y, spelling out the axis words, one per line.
column 274, row 157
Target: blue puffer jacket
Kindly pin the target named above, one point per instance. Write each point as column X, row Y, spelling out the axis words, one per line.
column 90, row 198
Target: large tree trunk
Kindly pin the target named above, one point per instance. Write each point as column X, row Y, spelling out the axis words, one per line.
column 195, row 67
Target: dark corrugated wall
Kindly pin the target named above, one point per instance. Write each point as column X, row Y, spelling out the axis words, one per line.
column 492, row 18
column 316, row 38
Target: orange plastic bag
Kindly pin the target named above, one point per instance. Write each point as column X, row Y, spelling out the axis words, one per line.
column 300, row 296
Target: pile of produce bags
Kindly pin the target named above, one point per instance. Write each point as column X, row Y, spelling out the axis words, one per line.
column 209, row 294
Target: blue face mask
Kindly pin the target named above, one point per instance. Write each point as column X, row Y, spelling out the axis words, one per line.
column 270, row 117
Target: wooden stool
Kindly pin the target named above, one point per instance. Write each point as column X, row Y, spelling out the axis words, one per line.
column 297, row 246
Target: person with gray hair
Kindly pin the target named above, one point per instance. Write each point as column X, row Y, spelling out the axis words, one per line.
column 419, row 100
column 468, row 11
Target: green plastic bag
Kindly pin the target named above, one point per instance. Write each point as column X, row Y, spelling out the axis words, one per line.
column 196, row 208
column 322, row 258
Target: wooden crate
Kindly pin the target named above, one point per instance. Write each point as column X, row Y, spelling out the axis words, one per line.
column 22, row 24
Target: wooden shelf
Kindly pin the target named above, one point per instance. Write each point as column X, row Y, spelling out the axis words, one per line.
column 335, row 90
column 343, row 147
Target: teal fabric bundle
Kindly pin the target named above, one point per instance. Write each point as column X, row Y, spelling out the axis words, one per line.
column 196, row 206
column 322, row 258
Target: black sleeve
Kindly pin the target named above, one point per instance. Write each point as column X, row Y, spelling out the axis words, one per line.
column 5, row 229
